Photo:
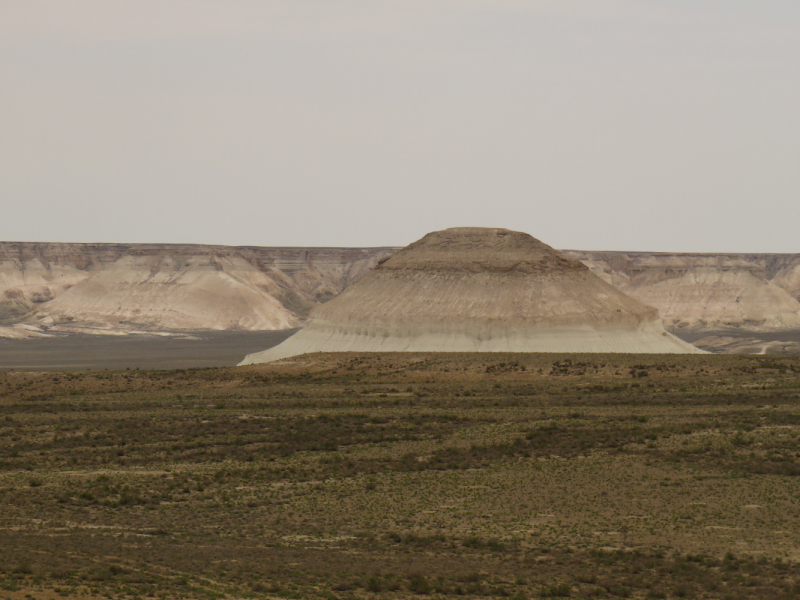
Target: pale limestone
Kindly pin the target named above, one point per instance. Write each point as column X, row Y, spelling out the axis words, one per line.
column 108, row 288
column 704, row 291
column 482, row 290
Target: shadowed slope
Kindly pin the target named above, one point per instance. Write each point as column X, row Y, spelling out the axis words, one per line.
column 485, row 290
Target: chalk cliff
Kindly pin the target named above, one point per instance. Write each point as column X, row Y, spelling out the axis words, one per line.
column 472, row 289
column 759, row 292
column 94, row 287
column 147, row 287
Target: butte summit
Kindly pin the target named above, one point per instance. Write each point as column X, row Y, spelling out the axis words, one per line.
column 475, row 289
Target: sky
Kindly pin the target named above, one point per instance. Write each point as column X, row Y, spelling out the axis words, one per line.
column 661, row 125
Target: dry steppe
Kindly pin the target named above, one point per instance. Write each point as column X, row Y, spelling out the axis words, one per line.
column 405, row 475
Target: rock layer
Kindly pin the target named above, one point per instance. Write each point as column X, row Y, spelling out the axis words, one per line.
column 161, row 287
column 171, row 287
column 710, row 292
column 485, row 290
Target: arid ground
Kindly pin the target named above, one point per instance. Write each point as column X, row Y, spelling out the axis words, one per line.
column 741, row 341
column 405, row 475
column 192, row 349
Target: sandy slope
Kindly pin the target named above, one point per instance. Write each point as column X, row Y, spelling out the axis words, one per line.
column 160, row 287
column 787, row 277
column 156, row 292
column 21, row 332
column 480, row 289
column 107, row 287
column 701, row 291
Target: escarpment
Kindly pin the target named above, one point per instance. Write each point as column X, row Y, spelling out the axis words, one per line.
column 714, row 292
column 100, row 287
column 484, row 290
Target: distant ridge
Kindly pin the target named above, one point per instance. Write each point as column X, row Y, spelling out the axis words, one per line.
column 118, row 288
column 485, row 290
column 697, row 292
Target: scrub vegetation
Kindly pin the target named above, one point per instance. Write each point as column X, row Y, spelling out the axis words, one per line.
column 346, row 476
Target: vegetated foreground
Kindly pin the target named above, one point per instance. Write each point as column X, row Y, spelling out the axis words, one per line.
column 353, row 475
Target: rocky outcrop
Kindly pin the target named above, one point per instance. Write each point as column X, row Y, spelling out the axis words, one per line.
column 738, row 344
column 171, row 287
column 758, row 292
column 480, row 290
column 784, row 271
column 102, row 287
column 20, row 331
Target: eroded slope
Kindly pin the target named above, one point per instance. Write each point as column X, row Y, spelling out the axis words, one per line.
column 707, row 291
column 171, row 287
column 480, row 290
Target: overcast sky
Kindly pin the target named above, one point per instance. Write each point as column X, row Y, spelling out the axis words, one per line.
column 668, row 125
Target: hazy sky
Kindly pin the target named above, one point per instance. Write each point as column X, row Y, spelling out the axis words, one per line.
column 669, row 125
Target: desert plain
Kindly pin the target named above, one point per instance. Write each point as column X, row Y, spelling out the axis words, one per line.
column 395, row 447
column 405, row 475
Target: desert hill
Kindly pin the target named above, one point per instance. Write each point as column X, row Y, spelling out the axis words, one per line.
column 117, row 287
column 472, row 289
column 101, row 288
column 759, row 292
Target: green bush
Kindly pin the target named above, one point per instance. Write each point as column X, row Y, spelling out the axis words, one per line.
column 419, row 585
column 557, row 590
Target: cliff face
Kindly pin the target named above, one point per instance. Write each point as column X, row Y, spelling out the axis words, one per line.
column 171, row 287
column 153, row 287
column 759, row 292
